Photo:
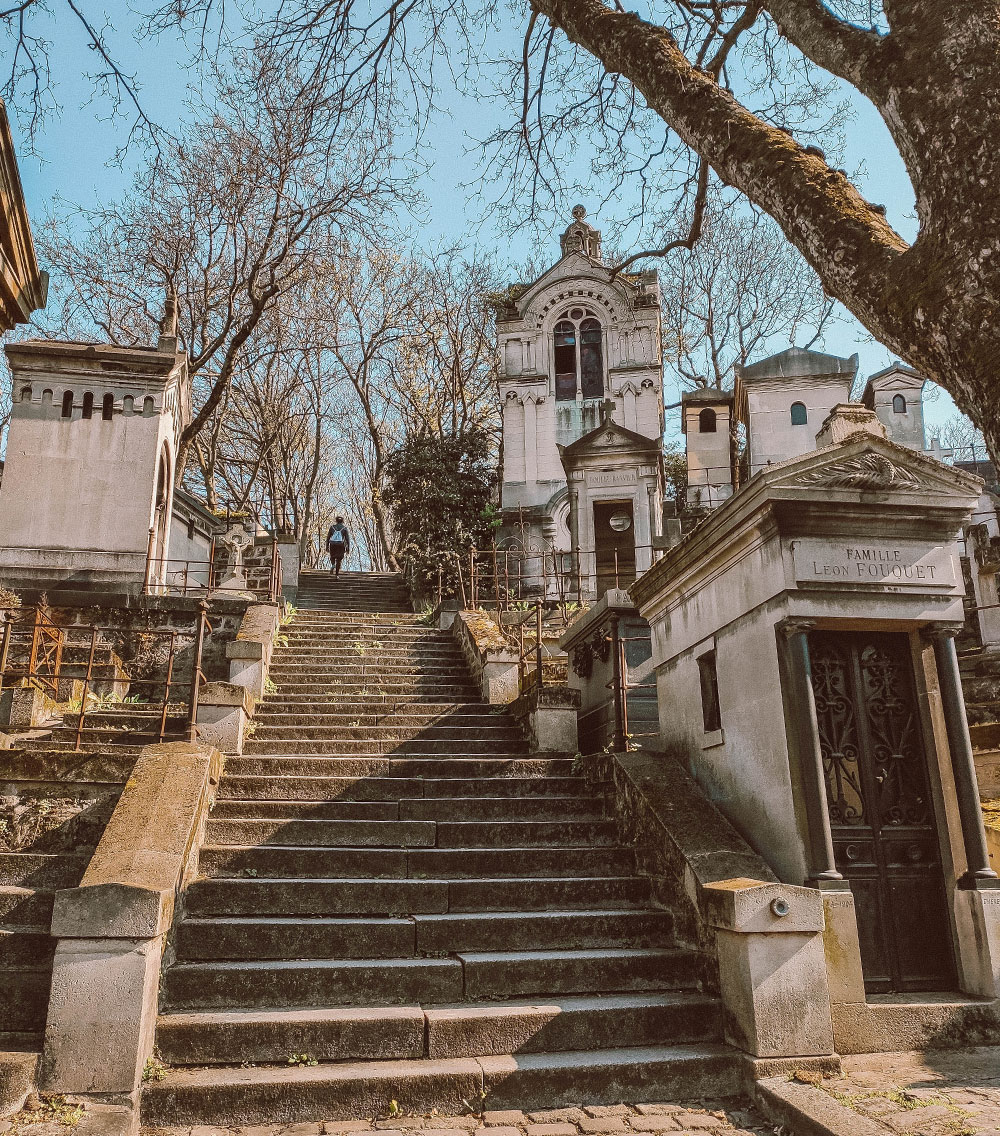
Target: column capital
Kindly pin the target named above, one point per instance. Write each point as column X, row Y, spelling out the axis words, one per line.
column 942, row 631
column 794, row 625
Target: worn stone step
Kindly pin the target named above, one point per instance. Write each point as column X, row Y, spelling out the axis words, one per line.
column 24, row 997
column 454, row 809
column 286, row 1095
column 290, row 663
column 458, row 809
column 26, row 906
column 426, row 747
column 538, row 930
column 318, row 982
column 357, row 649
column 308, row 810
column 278, row 862
column 515, row 974
column 375, row 700
column 42, row 869
column 389, row 765
column 288, row 702
column 273, row 715
column 552, row 1025
column 327, row 833
column 392, row 788
column 268, row 1036
column 382, row 739
column 282, row 937
column 516, row 833
column 25, row 946
column 393, row 897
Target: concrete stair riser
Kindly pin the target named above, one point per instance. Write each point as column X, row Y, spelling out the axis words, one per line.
column 25, row 946
column 389, row 897
column 415, row 864
column 453, row 809
column 25, row 998
column 26, row 906
column 288, row 938
column 390, row 788
column 384, row 765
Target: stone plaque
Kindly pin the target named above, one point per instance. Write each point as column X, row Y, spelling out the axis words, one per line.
column 626, row 477
column 874, row 563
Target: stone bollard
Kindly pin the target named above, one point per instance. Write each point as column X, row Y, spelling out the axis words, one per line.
column 772, row 969
column 223, row 710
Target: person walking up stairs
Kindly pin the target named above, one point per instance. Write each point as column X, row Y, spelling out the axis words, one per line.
column 399, row 902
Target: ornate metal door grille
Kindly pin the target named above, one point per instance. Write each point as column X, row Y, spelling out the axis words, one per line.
column 881, row 811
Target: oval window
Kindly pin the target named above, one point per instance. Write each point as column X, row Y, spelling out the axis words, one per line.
column 620, row 522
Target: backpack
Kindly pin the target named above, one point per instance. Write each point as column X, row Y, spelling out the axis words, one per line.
column 337, row 536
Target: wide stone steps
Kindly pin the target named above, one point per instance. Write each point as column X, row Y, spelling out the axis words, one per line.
column 393, row 833
column 284, row 937
column 274, row 861
column 400, row 1033
column 394, row 884
column 367, row 896
column 468, row 976
column 372, row 788
column 290, row 1094
column 457, row 809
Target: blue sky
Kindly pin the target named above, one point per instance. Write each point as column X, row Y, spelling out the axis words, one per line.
column 76, row 147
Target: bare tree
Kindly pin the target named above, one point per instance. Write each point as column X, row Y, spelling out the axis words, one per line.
column 252, row 196
column 741, row 285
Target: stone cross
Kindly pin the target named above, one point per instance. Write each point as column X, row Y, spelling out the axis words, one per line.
column 607, row 410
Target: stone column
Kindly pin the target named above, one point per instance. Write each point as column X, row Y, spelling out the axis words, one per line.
column 822, row 865
column 962, row 760
column 530, row 448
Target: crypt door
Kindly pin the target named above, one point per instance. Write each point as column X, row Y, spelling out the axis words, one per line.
column 881, row 811
column 614, row 544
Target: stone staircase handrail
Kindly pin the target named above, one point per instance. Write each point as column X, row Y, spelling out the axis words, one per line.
column 112, row 929
column 490, row 655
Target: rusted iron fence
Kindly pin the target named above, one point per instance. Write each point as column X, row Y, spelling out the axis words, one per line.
column 109, row 685
column 261, row 574
column 625, row 689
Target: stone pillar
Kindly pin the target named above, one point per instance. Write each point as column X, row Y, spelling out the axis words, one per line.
column 962, row 760
column 530, row 440
column 822, row 865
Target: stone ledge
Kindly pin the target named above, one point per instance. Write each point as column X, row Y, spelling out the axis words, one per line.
column 809, row 1111
column 750, row 906
column 142, row 859
column 227, row 694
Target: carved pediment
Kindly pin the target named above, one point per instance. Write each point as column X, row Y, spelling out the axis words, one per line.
column 863, row 471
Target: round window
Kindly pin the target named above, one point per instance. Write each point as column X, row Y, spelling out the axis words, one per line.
column 620, row 522
column 576, row 313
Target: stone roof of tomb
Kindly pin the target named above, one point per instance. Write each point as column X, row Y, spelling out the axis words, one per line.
column 798, row 363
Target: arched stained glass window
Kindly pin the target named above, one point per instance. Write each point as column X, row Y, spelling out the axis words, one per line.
column 591, row 359
column 564, row 336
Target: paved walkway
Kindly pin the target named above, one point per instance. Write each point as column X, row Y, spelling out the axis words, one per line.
column 700, row 1118
column 937, row 1093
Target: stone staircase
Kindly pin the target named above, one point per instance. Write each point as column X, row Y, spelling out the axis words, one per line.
column 397, row 902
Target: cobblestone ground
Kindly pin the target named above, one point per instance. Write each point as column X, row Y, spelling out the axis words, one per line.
column 701, row 1118
column 937, row 1093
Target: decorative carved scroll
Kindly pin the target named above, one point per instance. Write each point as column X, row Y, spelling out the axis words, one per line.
column 867, row 471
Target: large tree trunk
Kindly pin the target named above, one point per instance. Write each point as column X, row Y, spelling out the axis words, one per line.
column 934, row 80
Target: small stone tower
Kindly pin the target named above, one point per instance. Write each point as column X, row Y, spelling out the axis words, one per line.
column 896, row 396
column 89, row 469
column 706, row 420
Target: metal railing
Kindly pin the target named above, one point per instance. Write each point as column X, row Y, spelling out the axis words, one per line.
column 619, row 686
column 178, row 577
column 81, row 664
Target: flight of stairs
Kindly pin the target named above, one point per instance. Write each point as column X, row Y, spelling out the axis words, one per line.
column 398, row 902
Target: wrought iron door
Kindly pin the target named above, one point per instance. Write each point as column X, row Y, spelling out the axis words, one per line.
column 881, row 810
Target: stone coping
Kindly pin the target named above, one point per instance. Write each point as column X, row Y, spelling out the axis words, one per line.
column 614, row 602
column 141, row 862
column 484, row 633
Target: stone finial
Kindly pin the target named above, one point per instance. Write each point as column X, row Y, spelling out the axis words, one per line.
column 607, row 410
column 168, row 325
column 581, row 236
column 845, row 419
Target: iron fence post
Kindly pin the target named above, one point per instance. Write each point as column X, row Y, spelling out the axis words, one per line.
column 86, row 688
column 619, row 740
column 199, row 643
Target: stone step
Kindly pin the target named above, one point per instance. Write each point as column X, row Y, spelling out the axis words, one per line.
column 393, row 833
column 42, row 869
column 470, row 976
column 282, row 862
column 429, row 747
column 356, row 650
column 432, row 733
column 392, row 788
column 25, row 946
column 403, row 1033
column 280, row 764
column 386, row 637
column 282, row 937
column 367, row 700
column 367, row 689
column 429, row 896
column 271, row 713
column 290, row 1094
column 327, row 833
column 455, row 809
column 24, row 997
column 26, row 906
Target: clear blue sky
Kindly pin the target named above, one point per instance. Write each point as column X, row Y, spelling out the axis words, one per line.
column 76, row 148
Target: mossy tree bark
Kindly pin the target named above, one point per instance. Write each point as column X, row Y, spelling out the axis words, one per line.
column 933, row 78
